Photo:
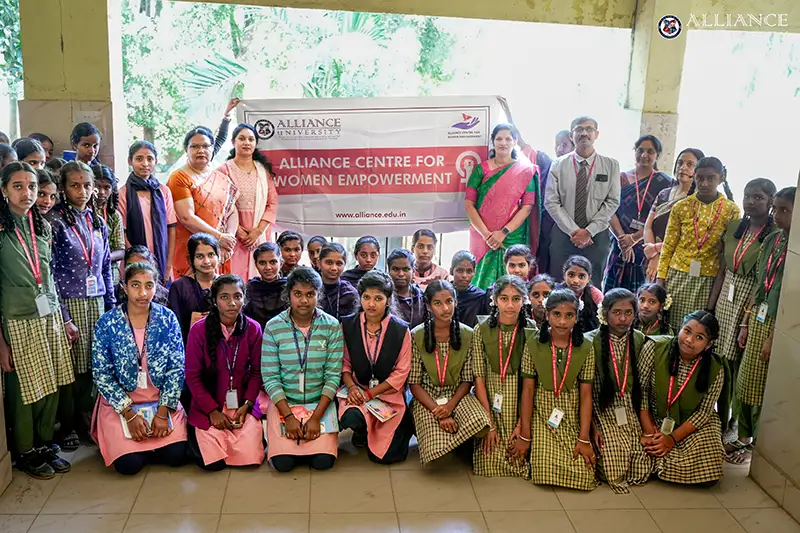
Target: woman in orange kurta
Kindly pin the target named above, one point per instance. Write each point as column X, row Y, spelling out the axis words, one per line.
column 205, row 201
column 257, row 202
column 377, row 360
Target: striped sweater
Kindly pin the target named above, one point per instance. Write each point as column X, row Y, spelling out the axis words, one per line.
column 280, row 363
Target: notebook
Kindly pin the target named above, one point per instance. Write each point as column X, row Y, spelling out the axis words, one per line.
column 145, row 410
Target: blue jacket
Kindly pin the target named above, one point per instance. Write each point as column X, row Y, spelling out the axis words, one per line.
column 114, row 357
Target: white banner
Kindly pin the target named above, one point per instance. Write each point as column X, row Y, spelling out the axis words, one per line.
column 380, row 166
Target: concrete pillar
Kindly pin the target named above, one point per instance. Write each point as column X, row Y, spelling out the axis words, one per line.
column 72, row 54
column 654, row 79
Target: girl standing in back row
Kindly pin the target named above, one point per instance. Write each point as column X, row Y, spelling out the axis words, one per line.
column 690, row 256
column 34, row 352
column 735, row 281
column 758, row 327
column 82, row 269
column 147, row 210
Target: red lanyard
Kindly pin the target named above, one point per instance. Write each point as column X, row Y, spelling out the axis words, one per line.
column 557, row 388
column 738, row 261
column 575, row 165
column 86, row 255
column 702, row 242
column 654, row 324
column 670, row 399
column 640, row 202
column 770, row 281
column 33, row 262
column 441, row 374
column 504, row 368
column 624, row 385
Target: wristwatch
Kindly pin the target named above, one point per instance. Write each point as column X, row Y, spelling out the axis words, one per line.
column 505, row 230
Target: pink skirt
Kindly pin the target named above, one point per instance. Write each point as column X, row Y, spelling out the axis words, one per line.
column 238, row 447
column 279, row 445
column 242, row 262
column 379, row 434
column 107, row 431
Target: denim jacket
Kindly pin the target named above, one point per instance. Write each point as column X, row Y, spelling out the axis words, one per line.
column 114, row 357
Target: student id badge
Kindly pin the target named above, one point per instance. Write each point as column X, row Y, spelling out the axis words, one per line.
column 441, row 401
column 42, row 305
column 762, row 312
column 730, row 292
column 621, row 416
column 497, row 404
column 694, row 269
column 555, row 418
column 232, row 399
column 91, row 286
column 301, row 382
column 667, row 426
column 637, row 224
column 141, row 380
column 373, row 383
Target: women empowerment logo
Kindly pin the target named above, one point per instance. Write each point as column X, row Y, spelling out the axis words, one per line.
column 669, row 26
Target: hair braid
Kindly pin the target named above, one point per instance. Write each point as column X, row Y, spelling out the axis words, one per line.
column 544, row 332
column 637, row 387
column 455, row 330
column 6, row 219
column 213, row 338
column 606, row 385
column 727, row 189
column 493, row 316
column 430, row 341
column 40, row 226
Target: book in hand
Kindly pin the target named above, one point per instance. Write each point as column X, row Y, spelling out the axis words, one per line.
column 329, row 423
column 380, row 410
column 148, row 412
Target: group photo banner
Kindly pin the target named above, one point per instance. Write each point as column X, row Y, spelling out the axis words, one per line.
column 347, row 167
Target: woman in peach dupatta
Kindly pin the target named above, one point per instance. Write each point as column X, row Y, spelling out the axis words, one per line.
column 205, row 201
column 257, row 201
column 502, row 204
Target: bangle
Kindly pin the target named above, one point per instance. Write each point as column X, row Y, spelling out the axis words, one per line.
column 744, row 326
column 368, row 394
column 748, row 311
column 491, row 429
column 526, row 440
column 287, row 417
column 135, row 414
column 583, row 441
column 161, row 417
column 649, row 435
column 673, row 439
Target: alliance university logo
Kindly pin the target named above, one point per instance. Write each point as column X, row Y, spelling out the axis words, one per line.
column 669, row 26
column 265, row 129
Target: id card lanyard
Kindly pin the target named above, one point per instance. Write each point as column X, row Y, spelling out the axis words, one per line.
column 139, row 352
column 33, row 261
column 232, row 364
column 558, row 387
column 504, row 367
column 640, row 202
column 702, row 241
column 372, row 358
column 302, row 358
column 623, row 385
column 670, row 399
column 87, row 254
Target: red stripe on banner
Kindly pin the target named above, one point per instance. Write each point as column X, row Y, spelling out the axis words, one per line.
column 442, row 169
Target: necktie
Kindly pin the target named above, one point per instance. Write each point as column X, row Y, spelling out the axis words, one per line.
column 581, row 192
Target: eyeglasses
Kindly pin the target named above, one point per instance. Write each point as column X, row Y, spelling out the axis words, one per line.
column 197, row 147
column 581, row 129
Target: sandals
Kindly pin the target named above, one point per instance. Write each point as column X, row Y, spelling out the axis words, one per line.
column 740, row 457
column 70, row 442
column 735, row 446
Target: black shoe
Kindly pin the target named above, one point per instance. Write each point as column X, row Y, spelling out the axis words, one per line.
column 33, row 464
column 359, row 440
column 59, row 465
column 55, row 448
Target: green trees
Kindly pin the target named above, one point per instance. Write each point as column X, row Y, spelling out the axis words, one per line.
column 182, row 61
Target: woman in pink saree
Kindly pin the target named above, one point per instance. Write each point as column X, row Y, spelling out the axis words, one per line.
column 502, row 204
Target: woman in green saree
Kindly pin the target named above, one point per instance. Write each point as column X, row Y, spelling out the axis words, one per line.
column 502, row 204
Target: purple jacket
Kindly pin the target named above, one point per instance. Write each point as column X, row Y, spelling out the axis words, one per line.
column 246, row 372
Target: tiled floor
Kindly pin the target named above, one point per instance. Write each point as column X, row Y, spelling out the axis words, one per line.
column 360, row 497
